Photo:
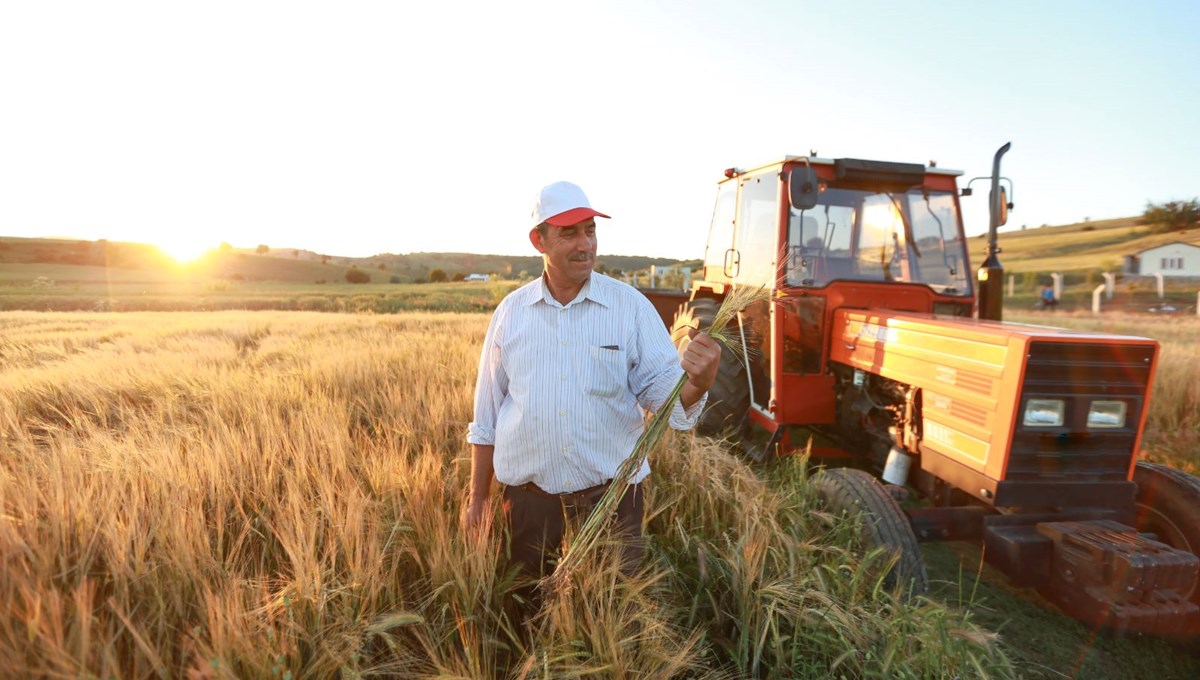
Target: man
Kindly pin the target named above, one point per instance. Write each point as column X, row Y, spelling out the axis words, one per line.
column 1048, row 300
column 569, row 362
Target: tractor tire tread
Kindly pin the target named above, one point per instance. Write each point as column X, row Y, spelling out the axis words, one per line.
column 1176, row 494
column 885, row 525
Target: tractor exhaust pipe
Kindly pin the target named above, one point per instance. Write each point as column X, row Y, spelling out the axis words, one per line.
column 991, row 272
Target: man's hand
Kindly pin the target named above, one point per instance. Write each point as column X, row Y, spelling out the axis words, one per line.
column 700, row 361
column 477, row 519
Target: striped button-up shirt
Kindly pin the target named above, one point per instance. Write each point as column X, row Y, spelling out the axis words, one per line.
column 562, row 388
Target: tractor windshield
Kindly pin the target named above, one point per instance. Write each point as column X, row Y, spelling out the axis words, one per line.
column 913, row 237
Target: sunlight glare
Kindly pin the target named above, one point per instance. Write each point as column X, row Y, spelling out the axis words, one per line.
column 880, row 220
column 185, row 250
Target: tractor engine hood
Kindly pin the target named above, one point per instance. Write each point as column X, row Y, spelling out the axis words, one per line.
column 1017, row 415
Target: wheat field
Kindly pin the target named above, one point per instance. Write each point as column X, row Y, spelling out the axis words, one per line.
column 277, row 494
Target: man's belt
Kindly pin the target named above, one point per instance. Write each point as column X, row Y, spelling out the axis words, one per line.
column 590, row 494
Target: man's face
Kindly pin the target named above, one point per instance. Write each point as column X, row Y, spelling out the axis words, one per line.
column 570, row 252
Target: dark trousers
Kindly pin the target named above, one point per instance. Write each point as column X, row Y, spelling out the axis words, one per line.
column 537, row 520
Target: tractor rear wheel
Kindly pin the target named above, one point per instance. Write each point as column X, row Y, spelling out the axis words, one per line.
column 1167, row 504
column 729, row 397
column 848, row 492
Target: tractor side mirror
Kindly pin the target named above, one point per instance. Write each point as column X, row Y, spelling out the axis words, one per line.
column 1002, row 216
column 803, row 187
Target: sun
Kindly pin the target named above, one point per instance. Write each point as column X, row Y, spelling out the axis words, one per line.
column 185, row 249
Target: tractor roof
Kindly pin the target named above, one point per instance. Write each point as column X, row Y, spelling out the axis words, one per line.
column 830, row 161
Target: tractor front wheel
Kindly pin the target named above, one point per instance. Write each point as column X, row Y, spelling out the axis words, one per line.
column 729, row 397
column 849, row 493
column 1168, row 505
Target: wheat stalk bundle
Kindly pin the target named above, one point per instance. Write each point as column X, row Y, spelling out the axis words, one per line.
column 588, row 537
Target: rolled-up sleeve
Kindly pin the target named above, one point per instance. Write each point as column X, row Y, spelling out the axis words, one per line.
column 685, row 418
column 491, row 385
column 657, row 369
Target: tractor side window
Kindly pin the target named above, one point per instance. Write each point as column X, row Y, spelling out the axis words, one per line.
column 720, row 233
column 819, row 241
column 757, row 230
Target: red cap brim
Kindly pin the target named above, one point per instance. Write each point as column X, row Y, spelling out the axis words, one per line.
column 573, row 216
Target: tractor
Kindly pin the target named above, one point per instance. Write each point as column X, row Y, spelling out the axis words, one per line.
column 881, row 354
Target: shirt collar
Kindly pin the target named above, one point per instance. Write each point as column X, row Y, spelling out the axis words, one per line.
column 593, row 289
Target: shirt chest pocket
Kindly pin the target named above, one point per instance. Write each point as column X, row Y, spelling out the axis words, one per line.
column 607, row 372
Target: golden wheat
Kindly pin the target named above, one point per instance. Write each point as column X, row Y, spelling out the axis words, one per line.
column 277, row 494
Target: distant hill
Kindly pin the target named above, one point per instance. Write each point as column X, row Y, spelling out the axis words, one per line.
column 1099, row 245
column 1074, row 249
column 100, row 253
column 68, row 260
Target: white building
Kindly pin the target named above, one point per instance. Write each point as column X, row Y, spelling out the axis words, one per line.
column 1170, row 259
column 476, row 277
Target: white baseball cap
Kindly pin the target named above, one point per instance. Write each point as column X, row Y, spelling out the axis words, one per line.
column 562, row 204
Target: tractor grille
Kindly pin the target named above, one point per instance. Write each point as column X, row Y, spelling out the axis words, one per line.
column 1079, row 374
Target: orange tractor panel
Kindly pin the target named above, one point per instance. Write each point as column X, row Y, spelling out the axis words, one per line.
column 970, row 373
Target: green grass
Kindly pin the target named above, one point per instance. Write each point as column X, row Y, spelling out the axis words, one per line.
column 1041, row 640
column 24, row 275
column 193, row 295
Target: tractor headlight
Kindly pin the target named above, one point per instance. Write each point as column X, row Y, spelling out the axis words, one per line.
column 1106, row 414
column 1044, row 412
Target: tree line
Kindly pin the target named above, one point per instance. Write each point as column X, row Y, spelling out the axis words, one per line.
column 1172, row 216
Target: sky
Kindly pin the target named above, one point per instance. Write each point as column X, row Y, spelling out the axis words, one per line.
column 357, row 128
